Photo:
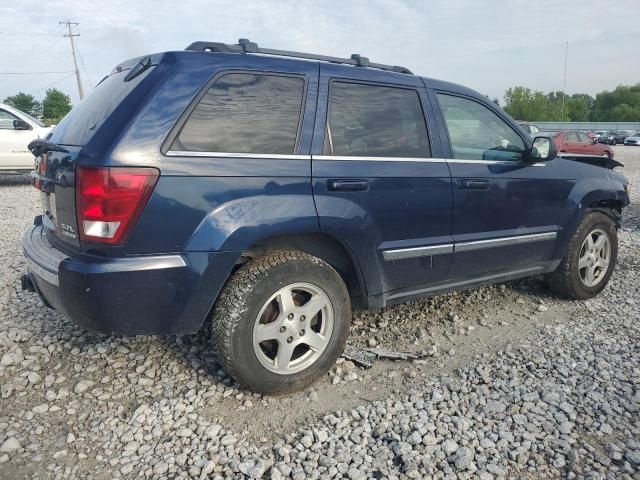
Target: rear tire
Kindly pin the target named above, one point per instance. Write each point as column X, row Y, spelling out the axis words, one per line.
column 589, row 260
column 281, row 322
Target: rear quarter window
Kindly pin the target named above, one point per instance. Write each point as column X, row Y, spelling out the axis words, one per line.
column 245, row 113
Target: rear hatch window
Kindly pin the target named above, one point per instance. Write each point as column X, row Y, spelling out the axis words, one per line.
column 80, row 124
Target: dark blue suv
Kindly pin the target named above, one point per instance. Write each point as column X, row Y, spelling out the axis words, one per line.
column 264, row 192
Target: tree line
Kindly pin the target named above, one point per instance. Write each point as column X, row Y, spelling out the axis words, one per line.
column 619, row 105
column 51, row 109
column 522, row 103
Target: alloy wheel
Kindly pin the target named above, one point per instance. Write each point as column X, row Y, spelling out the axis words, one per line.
column 293, row 328
column 595, row 256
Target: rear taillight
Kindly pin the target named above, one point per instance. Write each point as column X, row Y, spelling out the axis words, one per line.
column 109, row 201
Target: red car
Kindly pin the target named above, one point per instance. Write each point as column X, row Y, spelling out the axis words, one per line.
column 580, row 143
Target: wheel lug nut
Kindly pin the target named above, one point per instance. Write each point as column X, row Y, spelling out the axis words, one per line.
column 290, row 316
column 302, row 333
column 302, row 318
column 282, row 329
column 290, row 339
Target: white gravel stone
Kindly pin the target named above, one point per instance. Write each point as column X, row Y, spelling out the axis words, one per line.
column 10, row 445
column 82, row 386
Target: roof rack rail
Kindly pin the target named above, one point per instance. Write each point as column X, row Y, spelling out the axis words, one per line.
column 246, row 46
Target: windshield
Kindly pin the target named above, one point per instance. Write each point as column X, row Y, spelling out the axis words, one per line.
column 34, row 120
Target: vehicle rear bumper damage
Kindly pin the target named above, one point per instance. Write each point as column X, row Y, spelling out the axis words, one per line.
column 138, row 295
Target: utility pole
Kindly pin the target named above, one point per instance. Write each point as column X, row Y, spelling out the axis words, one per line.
column 564, row 81
column 73, row 53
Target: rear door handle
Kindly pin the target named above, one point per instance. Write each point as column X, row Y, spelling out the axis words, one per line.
column 347, row 185
column 474, row 184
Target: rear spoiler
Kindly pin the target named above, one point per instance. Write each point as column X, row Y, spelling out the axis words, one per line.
column 604, row 162
column 39, row 146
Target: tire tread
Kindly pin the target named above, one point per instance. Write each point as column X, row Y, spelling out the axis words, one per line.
column 227, row 312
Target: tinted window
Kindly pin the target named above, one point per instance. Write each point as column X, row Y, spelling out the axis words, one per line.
column 245, row 113
column 79, row 125
column 6, row 120
column 477, row 133
column 374, row 121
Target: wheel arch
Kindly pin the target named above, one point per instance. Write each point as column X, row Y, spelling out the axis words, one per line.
column 593, row 194
column 320, row 245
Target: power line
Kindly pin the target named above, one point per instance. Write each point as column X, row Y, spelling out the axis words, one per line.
column 33, row 73
column 52, row 84
column 86, row 71
column 73, row 53
column 42, row 43
column 31, row 34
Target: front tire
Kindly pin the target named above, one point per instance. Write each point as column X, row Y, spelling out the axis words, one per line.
column 589, row 260
column 281, row 322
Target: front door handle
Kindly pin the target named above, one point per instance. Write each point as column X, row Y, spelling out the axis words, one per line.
column 474, row 184
column 347, row 185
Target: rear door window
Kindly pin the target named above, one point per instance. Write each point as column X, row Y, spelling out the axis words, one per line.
column 375, row 121
column 245, row 113
column 584, row 138
column 572, row 137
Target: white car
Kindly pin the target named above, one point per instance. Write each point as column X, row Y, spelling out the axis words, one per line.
column 17, row 129
column 634, row 139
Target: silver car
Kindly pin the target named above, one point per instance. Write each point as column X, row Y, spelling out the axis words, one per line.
column 634, row 139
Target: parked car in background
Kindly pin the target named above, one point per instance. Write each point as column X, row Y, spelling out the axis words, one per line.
column 17, row 129
column 608, row 137
column 598, row 133
column 263, row 193
column 621, row 135
column 580, row 143
column 633, row 140
column 530, row 128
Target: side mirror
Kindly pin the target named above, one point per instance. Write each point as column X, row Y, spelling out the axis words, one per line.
column 19, row 124
column 543, row 149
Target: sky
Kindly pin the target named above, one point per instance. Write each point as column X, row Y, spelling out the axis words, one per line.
column 488, row 45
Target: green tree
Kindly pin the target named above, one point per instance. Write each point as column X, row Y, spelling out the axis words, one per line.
column 24, row 102
column 622, row 104
column 517, row 102
column 55, row 105
column 579, row 107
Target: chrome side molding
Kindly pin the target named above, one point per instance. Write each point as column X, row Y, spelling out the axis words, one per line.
column 504, row 241
column 414, row 252
column 266, row 156
column 445, row 248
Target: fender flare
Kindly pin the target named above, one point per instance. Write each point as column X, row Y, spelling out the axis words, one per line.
column 588, row 195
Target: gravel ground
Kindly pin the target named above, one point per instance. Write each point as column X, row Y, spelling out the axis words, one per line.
column 515, row 383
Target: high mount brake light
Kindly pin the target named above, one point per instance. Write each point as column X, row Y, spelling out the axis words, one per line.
column 109, row 201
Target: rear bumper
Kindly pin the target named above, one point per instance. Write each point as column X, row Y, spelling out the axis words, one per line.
column 160, row 294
